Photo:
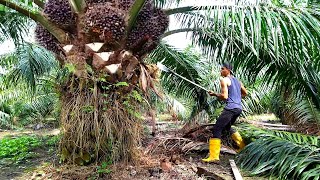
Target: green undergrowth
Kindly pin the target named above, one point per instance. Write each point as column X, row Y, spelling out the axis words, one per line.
column 15, row 150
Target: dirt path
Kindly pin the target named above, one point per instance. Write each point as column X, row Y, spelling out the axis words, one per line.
column 42, row 132
column 160, row 158
column 168, row 161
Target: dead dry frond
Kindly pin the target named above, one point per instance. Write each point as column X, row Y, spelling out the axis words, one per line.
column 168, row 143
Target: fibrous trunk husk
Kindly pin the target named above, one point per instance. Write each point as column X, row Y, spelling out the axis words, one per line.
column 97, row 125
column 99, row 112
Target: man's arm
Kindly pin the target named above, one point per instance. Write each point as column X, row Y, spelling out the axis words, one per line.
column 224, row 91
column 244, row 91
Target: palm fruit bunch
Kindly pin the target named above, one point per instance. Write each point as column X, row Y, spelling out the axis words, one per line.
column 146, row 11
column 105, row 22
column 60, row 13
column 90, row 2
column 46, row 39
column 123, row 4
column 145, row 36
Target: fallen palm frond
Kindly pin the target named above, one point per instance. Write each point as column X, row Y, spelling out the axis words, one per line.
column 281, row 154
column 168, row 143
column 201, row 146
column 194, row 146
column 183, row 145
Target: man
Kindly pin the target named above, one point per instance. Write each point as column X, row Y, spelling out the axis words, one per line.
column 232, row 90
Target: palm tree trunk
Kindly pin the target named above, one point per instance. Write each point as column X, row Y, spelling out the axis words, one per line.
column 285, row 116
column 97, row 126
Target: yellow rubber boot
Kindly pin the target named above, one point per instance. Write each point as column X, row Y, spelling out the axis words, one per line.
column 238, row 139
column 214, row 150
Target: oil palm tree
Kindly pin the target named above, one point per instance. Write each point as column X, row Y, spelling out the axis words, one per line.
column 100, row 94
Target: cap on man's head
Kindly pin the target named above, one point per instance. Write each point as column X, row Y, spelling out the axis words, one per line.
column 228, row 66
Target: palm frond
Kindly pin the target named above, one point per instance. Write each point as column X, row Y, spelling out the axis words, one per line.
column 43, row 106
column 166, row 3
column 28, row 67
column 181, row 62
column 281, row 154
column 9, row 94
column 255, row 28
column 294, row 108
column 281, row 41
column 14, row 26
column 191, row 66
column 33, row 61
column 5, row 120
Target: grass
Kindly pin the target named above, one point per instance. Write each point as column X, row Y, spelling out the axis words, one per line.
column 18, row 149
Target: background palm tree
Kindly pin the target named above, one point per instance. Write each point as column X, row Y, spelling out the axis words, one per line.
column 27, row 86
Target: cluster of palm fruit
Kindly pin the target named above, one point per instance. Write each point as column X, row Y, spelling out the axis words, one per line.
column 60, row 13
column 105, row 21
column 145, row 36
column 46, row 39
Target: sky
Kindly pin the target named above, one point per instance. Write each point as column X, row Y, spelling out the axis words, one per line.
column 6, row 46
column 178, row 40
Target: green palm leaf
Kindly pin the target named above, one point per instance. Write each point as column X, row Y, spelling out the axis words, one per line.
column 280, row 154
column 13, row 26
column 33, row 61
column 281, row 41
column 166, row 3
column 192, row 67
